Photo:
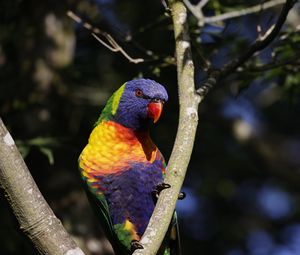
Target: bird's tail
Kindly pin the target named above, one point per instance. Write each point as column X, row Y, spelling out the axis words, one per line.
column 171, row 244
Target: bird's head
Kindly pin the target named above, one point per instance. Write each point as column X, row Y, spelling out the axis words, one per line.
column 136, row 104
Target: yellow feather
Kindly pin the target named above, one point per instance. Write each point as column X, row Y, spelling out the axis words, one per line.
column 130, row 227
column 117, row 97
column 112, row 147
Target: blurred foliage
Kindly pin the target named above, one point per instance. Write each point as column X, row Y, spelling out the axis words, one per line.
column 43, row 144
column 244, row 177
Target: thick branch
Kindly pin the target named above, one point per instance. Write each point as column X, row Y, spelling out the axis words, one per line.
column 35, row 217
column 188, row 120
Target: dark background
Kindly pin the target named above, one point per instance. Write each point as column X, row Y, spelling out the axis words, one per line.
column 243, row 180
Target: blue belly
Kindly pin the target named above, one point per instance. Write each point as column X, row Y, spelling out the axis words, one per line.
column 129, row 194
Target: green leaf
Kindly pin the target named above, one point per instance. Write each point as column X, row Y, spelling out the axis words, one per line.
column 42, row 141
column 48, row 153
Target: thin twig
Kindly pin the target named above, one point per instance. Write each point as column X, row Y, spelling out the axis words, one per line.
column 243, row 12
column 196, row 10
column 215, row 75
column 259, row 44
column 294, row 61
column 111, row 43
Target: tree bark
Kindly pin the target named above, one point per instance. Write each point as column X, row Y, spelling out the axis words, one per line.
column 34, row 215
column 182, row 150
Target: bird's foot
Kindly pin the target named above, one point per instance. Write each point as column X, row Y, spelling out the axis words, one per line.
column 136, row 245
column 181, row 195
column 159, row 188
column 163, row 186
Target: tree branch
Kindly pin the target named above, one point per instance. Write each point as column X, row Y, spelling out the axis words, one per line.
column 243, row 12
column 35, row 217
column 196, row 10
column 202, row 3
column 188, row 120
column 292, row 61
column 261, row 42
column 111, row 43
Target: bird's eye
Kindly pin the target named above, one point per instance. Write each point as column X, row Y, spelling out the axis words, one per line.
column 139, row 93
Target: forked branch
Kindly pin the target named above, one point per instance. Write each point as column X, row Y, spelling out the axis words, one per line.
column 110, row 42
column 197, row 11
column 260, row 43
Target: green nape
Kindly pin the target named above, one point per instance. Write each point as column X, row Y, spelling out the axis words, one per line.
column 112, row 105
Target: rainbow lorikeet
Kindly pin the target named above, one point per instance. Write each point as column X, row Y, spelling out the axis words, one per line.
column 123, row 169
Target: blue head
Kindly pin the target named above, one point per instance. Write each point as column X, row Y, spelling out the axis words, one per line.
column 138, row 103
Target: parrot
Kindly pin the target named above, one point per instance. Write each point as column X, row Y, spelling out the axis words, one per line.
column 123, row 170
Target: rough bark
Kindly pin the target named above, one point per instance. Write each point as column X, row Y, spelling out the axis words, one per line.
column 34, row 215
column 188, row 120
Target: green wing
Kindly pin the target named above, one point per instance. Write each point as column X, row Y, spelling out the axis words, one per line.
column 99, row 204
column 100, row 207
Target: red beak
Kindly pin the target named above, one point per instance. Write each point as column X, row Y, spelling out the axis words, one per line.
column 154, row 110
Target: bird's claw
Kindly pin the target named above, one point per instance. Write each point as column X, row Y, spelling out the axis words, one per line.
column 136, row 245
column 163, row 186
column 181, row 195
column 159, row 189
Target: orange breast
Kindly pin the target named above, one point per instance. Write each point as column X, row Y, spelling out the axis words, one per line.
column 112, row 147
